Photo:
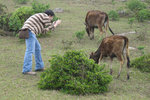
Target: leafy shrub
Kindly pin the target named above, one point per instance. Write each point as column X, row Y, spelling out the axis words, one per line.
column 113, row 2
column 80, row 34
column 74, row 73
column 113, row 15
column 39, row 8
column 136, row 5
column 143, row 15
column 21, row 1
column 131, row 20
column 4, row 20
column 2, row 9
column 142, row 63
column 141, row 48
column 18, row 18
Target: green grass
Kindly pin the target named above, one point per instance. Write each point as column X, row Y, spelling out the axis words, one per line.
column 15, row 86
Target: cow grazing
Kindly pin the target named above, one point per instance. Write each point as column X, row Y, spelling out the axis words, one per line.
column 113, row 46
column 96, row 19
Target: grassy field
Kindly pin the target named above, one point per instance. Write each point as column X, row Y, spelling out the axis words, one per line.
column 15, row 86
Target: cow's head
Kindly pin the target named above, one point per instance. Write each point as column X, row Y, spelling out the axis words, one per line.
column 89, row 32
column 94, row 57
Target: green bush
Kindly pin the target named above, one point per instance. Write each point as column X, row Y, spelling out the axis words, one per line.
column 141, row 48
column 143, row 14
column 2, row 9
column 136, row 5
column 142, row 63
column 4, row 20
column 80, row 34
column 131, row 20
column 19, row 17
column 39, row 8
column 74, row 73
column 113, row 15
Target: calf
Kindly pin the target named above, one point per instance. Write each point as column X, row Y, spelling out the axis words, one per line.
column 113, row 46
column 96, row 19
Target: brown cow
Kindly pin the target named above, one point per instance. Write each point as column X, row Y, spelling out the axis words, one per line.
column 96, row 19
column 113, row 46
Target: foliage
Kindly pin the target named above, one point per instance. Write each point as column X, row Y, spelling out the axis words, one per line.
column 74, row 73
column 2, row 9
column 143, row 15
column 139, row 10
column 113, row 15
column 4, row 20
column 21, row 1
column 131, row 20
column 80, row 34
column 142, row 63
column 141, row 48
column 113, row 2
column 39, row 8
column 136, row 5
column 18, row 18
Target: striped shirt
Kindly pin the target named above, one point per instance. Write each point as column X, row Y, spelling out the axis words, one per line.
column 38, row 23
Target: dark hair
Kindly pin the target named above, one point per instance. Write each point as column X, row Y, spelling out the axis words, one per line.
column 49, row 12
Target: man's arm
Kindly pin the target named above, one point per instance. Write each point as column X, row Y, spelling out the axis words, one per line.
column 53, row 25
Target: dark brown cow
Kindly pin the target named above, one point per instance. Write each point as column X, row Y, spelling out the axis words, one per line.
column 96, row 19
column 113, row 46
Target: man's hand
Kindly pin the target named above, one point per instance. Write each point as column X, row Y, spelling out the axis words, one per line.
column 57, row 23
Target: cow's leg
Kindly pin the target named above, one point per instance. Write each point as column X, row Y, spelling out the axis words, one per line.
column 100, row 29
column 100, row 58
column 92, row 32
column 106, row 26
column 128, row 66
column 111, row 71
column 121, row 64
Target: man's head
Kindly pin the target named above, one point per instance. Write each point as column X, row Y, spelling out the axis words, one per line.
column 50, row 13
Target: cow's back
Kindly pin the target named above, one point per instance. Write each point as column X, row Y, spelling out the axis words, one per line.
column 93, row 17
column 112, row 44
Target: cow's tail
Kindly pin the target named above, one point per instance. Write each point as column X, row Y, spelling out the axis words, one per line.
column 111, row 30
column 126, row 44
column 106, row 24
